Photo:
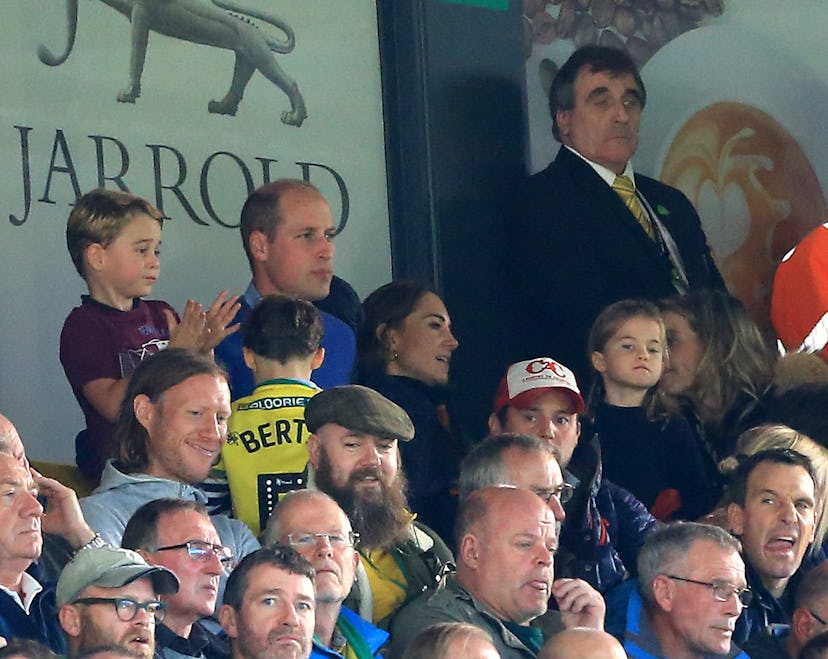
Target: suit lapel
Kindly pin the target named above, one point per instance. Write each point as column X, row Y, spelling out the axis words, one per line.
column 604, row 214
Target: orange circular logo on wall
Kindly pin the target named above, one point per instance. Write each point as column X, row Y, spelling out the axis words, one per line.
column 754, row 188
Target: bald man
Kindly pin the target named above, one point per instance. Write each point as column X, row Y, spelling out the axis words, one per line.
column 582, row 643
column 506, row 543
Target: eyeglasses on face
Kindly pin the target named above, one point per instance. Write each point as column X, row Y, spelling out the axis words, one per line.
column 335, row 540
column 563, row 493
column 199, row 550
column 722, row 590
column 127, row 609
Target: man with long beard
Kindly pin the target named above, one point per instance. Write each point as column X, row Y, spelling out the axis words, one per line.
column 354, row 458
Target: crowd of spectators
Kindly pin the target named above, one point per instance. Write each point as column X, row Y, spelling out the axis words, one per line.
column 282, row 474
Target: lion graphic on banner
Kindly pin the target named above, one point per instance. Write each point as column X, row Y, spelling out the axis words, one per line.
column 218, row 23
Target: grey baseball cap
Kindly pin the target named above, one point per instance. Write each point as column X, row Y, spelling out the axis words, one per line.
column 110, row 567
column 359, row 409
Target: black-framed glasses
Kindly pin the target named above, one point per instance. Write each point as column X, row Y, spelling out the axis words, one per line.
column 199, row 550
column 817, row 618
column 335, row 540
column 563, row 493
column 722, row 590
column 127, row 609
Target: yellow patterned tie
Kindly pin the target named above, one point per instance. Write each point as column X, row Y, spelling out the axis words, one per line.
column 625, row 189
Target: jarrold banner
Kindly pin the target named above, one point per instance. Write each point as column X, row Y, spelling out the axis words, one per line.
column 191, row 104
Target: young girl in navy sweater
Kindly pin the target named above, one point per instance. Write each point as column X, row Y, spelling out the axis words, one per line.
column 645, row 449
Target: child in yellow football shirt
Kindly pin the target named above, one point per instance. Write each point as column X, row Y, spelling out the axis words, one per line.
column 266, row 452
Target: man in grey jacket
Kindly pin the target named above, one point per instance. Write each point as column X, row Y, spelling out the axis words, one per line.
column 170, row 430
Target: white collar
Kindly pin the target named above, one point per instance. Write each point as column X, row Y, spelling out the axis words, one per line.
column 606, row 174
column 30, row 587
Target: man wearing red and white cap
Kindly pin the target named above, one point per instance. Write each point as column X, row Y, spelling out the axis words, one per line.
column 540, row 397
column 605, row 525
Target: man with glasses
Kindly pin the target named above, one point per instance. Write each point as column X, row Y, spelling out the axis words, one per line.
column 316, row 527
column 691, row 590
column 179, row 535
column 810, row 618
column 109, row 596
column 520, row 460
column 605, row 525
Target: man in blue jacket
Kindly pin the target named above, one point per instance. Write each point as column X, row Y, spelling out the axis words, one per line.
column 691, row 590
column 287, row 231
column 315, row 526
column 773, row 512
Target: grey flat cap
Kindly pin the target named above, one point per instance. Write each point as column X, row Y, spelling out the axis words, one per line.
column 110, row 567
column 360, row 409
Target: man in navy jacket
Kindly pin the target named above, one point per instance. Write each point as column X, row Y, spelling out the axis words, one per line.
column 27, row 606
column 578, row 245
column 773, row 512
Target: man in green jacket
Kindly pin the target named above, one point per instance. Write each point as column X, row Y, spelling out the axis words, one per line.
column 507, row 539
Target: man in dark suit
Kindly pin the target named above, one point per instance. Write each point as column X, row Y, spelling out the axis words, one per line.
column 585, row 236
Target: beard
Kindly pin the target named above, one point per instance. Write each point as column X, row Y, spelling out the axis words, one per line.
column 96, row 636
column 380, row 517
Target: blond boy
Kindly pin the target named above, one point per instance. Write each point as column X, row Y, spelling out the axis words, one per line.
column 114, row 240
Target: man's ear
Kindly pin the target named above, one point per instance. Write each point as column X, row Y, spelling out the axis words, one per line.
column 258, row 244
column 314, row 450
column 227, row 620
column 664, row 591
column 562, row 118
column 144, row 410
column 494, row 424
column 469, row 551
column 356, row 559
column 69, row 618
column 736, row 518
column 318, row 358
column 598, row 362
